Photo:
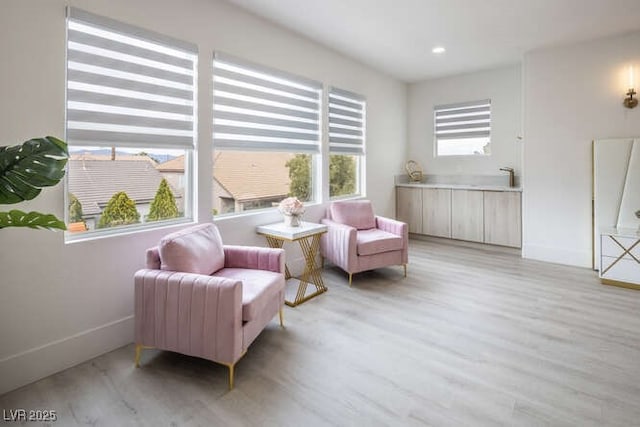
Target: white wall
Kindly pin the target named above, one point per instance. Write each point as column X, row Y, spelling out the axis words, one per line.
column 63, row 304
column 502, row 86
column 573, row 95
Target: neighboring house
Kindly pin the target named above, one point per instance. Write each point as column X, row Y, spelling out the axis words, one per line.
column 241, row 180
column 94, row 182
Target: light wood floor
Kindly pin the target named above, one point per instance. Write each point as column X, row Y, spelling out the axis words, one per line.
column 473, row 336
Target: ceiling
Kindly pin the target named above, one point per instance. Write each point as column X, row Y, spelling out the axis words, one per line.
column 396, row 36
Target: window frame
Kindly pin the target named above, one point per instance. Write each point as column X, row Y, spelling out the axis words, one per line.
column 266, row 110
column 109, row 62
column 445, row 128
column 347, row 144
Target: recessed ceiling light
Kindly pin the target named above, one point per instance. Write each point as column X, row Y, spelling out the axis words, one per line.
column 438, row 49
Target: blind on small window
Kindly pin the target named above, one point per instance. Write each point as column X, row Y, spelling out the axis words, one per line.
column 258, row 108
column 127, row 86
column 346, row 122
column 464, row 120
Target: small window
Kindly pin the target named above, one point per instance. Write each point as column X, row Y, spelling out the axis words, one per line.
column 266, row 132
column 463, row 129
column 347, row 119
column 129, row 120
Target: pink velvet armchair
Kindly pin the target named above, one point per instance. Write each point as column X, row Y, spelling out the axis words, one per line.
column 205, row 299
column 357, row 240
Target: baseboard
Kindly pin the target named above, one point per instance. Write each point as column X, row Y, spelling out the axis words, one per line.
column 557, row 255
column 28, row 366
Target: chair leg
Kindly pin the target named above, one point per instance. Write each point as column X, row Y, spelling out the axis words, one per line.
column 350, row 278
column 231, row 367
column 281, row 314
column 405, row 270
column 321, row 261
column 139, row 348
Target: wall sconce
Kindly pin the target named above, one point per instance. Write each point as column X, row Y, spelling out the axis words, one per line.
column 630, row 101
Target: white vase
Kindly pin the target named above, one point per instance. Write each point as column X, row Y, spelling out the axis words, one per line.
column 292, row 220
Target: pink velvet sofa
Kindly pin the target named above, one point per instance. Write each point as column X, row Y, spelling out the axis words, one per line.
column 358, row 240
column 205, row 299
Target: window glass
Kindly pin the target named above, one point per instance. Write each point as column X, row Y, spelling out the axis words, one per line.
column 266, row 130
column 463, row 129
column 343, row 175
column 130, row 116
column 249, row 180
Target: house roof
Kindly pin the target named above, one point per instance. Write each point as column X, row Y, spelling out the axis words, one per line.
column 246, row 175
column 173, row 165
column 94, row 182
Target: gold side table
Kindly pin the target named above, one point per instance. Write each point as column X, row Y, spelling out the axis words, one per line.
column 308, row 236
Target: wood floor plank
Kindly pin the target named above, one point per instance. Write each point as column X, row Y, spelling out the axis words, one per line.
column 475, row 335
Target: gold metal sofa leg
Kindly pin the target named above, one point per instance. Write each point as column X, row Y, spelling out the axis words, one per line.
column 139, row 348
column 350, row 278
column 231, row 367
column 405, row 270
column 281, row 314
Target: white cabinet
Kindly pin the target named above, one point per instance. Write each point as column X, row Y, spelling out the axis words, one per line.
column 436, row 212
column 467, row 215
column 409, row 207
column 502, row 218
column 620, row 257
column 486, row 216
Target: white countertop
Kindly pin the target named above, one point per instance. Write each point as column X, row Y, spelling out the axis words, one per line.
column 479, row 187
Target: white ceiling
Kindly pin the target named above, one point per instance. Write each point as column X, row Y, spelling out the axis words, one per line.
column 396, row 36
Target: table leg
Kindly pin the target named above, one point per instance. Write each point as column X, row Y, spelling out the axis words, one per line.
column 311, row 275
column 277, row 243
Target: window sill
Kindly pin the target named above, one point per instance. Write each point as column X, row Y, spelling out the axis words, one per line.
column 72, row 238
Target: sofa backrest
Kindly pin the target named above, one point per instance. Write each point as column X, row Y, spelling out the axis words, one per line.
column 196, row 249
column 355, row 213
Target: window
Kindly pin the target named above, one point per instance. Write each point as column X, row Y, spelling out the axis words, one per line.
column 266, row 133
column 347, row 118
column 129, row 124
column 463, row 129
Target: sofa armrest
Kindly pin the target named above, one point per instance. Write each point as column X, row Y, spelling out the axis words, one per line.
column 392, row 226
column 339, row 244
column 254, row 257
column 189, row 313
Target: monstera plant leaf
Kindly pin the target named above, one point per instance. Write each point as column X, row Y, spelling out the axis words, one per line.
column 24, row 170
column 16, row 218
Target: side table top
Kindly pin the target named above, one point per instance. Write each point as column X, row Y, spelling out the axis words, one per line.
column 282, row 231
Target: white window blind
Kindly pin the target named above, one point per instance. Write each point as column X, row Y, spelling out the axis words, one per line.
column 127, row 86
column 347, row 118
column 463, row 128
column 258, row 108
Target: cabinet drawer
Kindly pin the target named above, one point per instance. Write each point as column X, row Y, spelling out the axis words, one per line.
column 625, row 270
column 610, row 248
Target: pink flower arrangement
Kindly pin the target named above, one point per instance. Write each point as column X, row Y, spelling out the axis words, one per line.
column 291, row 206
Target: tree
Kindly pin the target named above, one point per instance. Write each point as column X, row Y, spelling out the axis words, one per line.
column 120, row 210
column 342, row 175
column 164, row 203
column 75, row 209
column 300, row 176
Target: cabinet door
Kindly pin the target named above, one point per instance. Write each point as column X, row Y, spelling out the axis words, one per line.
column 467, row 213
column 502, row 218
column 436, row 212
column 409, row 207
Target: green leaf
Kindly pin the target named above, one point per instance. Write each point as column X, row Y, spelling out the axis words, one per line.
column 16, row 218
column 25, row 169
